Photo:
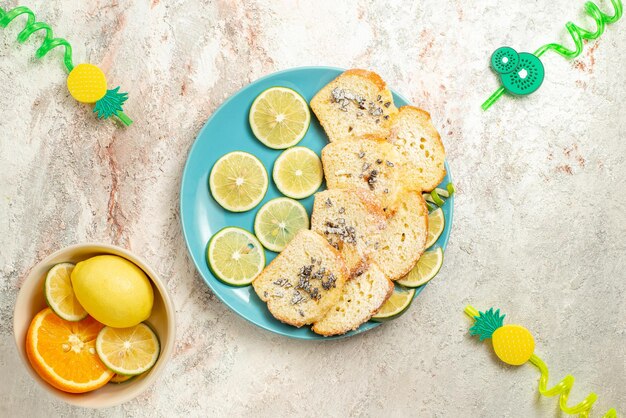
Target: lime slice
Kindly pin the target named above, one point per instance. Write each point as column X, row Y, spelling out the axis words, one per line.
column 436, row 223
column 426, row 268
column 235, row 256
column 279, row 117
column 278, row 221
column 128, row 351
column 298, row 172
column 120, row 378
column 238, row 181
column 396, row 305
column 60, row 295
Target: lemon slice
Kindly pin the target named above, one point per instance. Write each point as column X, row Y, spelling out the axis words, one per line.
column 278, row 221
column 120, row 378
column 426, row 268
column 298, row 172
column 436, row 223
column 396, row 305
column 235, row 256
column 238, row 181
column 279, row 117
column 60, row 295
column 128, row 351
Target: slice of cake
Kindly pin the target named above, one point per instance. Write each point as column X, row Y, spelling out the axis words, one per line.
column 402, row 242
column 350, row 220
column 354, row 104
column 304, row 281
column 415, row 137
column 361, row 298
column 370, row 163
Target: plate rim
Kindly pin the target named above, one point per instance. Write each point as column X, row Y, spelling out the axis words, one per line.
column 445, row 235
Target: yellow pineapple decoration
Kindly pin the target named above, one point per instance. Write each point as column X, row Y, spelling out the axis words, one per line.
column 515, row 345
column 88, row 84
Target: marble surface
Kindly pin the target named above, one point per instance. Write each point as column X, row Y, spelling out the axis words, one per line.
column 539, row 220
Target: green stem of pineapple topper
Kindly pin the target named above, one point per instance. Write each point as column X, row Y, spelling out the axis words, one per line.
column 577, row 33
column 124, row 118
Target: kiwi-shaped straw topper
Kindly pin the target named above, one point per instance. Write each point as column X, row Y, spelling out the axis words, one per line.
column 515, row 345
column 86, row 82
column 523, row 73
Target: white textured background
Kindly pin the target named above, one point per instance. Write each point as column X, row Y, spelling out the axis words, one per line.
column 540, row 217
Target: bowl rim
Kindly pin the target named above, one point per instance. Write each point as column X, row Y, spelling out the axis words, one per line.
column 166, row 349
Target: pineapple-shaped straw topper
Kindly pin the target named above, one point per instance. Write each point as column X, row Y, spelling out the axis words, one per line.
column 86, row 82
column 515, row 345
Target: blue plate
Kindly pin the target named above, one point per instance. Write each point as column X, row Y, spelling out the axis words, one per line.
column 228, row 130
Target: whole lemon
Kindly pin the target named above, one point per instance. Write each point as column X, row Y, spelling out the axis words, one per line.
column 113, row 290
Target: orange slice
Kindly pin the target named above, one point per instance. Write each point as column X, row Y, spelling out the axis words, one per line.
column 64, row 354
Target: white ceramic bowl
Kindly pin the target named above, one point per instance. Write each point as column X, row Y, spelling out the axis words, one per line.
column 30, row 300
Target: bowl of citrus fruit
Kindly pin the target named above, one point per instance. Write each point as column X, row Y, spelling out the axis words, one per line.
column 94, row 325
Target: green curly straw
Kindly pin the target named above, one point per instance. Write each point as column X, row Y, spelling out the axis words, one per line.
column 32, row 26
column 48, row 44
column 578, row 34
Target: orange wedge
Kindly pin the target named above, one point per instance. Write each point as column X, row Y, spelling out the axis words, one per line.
column 63, row 353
